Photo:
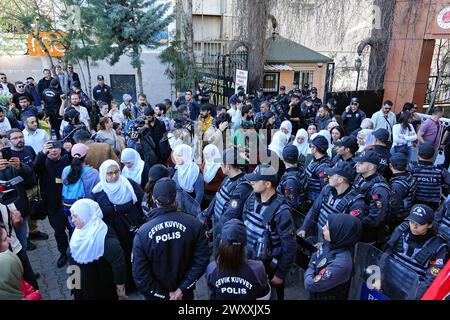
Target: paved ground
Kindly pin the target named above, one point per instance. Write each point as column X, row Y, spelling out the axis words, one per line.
column 52, row 281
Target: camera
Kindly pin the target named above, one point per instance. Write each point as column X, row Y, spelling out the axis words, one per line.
column 137, row 128
column 182, row 123
column 8, row 190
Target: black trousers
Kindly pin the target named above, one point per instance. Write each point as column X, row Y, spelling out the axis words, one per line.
column 447, row 156
column 55, row 122
column 59, row 223
column 28, row 273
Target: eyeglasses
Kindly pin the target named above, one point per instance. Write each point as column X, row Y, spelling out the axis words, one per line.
column 19, row 86
column 113, row 173
column 314, row 92
column 388, row 109
column 355, row 103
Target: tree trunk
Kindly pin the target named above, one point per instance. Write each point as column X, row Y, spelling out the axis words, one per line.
column 188, row 34
column 257, row 20
column 139, row 76
column 47, row 54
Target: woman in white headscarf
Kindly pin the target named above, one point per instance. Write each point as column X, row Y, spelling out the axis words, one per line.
column 120, row 199
column 133, row 166
column 302, row 143
column 187, row 175
column 286, row 128
column 212, row 173
column 95, row 249
column 365, row 139
column 278, row 143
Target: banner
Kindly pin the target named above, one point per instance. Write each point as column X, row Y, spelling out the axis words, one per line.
column 13, row 44
column 241, row 79
column 50, row 40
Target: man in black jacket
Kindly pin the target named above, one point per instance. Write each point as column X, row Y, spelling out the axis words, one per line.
column 49, row 165
column 156, row 129
column 170, row 252
column 44, row 83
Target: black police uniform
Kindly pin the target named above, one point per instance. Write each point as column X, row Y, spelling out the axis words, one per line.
column 426, row 255
column 52, row 100
column 102, row 93
column 383, row 167
column 377, row 193
column 430, row 179
column 403, row 188
column 338, row 158
column 309, row 114
column 257, row 102
column 249, row 284
column 169, row 252
column 316, row 176
column 352, row 120
column 316, row 102
column 271, row 222
column 442, row 219
column 293, row 187
column 329, row 202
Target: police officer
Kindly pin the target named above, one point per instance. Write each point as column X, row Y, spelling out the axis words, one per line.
column 282, row 96
column 352, row 116
column 430, row 177
column 72, row 116
column 293, row 184
column 270, row 228
column 403, row 188
column 442, row 219
column 231, row 276
column 345, row 150
column 259, row 98
column 305, row 91
column 229, row 200
column 294, row 89
column 52, row 99
column 380, row 147
column 101, row 91
column 377, row 192
column 202, row 93
column 416, row 245
column 170, row 252
column 315, row 100
column 336, row 198
column 309, row 111
column 329, row 272
column 295, row 113
column 315, row 171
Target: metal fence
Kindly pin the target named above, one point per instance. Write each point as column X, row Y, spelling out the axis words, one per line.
column 443, row 93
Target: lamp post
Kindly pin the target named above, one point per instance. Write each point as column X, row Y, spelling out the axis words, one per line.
column 358, row 63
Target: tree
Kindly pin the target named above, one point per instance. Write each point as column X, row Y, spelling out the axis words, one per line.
column 442, row 62
column 135, row 24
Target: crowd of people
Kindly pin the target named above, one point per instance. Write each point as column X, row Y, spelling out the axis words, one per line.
column 151, row 198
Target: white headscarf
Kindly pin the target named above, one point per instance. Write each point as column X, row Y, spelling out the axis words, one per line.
column 304, row 147
column 327, row 135
column 287, row 125
column 119, row 192
column 213, row 164
column 135, row 172
column 187, row 172
column 368, row 138
column 88, row 243
column 278, row 143
column 5, row 125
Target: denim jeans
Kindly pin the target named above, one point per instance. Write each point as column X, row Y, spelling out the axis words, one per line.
column 22, row 233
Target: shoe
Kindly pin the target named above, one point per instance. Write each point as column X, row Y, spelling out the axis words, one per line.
column 38, row 236
column 61, row 261
column 31, row 246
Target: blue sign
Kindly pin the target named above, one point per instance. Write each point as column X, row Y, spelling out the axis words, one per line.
column 368, row 294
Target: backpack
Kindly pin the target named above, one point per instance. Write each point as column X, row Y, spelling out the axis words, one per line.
column 73, row 192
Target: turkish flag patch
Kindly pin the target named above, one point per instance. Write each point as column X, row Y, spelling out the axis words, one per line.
column 375, row 197
column 355, row 213
column 322, row 174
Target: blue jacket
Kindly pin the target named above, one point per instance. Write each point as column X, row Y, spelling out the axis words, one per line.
column 170, row 252
column 199, row 186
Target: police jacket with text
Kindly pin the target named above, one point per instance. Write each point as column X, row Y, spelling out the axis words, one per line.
column 329, row 273
column 52, row 99
column 293, row 187
column 316, row 176
column 338, row 158
column 250, row 284
column 385, row 156
column 309, row 113
column 377, row 193
column 442, row 219
column 426, row 254
column 429, row 180
column 170, row 252
column 352, row 120
column 403, row 188
column 329, row 202
column 280, row 228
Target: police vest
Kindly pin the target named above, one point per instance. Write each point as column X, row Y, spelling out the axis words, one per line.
column 444, row 226
column 227, row 286
column 365, row 187
column 223, row 196
column 335, row 205
column 299, row 179
column 339, row 292
column 315, row 172
column 407, row 183
column 421, row 257
column 429, row 182
column 259, row 221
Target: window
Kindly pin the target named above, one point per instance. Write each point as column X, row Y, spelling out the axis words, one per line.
column 121, row 84
column 270, row 82
column 304, row 77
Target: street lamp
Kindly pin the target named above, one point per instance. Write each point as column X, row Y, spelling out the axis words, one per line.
column 358, row 63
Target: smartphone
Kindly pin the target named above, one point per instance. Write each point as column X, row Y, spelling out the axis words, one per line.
column 56, row 145
column 6, row 153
